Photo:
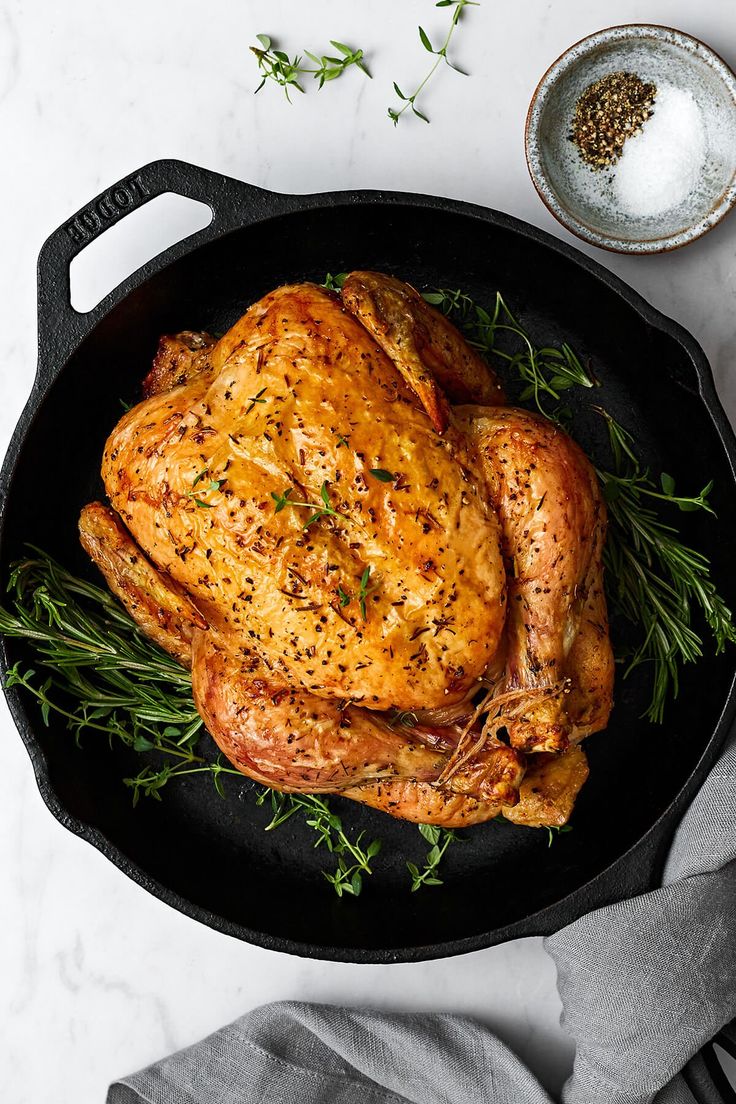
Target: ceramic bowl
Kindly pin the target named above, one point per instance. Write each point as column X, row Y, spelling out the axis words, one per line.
column 584, row 200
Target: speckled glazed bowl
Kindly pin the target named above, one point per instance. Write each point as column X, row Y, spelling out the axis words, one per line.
column 583, row 200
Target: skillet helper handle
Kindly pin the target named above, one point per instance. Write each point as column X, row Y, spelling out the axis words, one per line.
column 233, row 203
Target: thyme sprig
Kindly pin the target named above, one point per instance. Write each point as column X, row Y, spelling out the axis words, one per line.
column 212, row 485
column 439, row 840
column 365, row 591
column 255, row 399
column 353, row 859
column 284, row 499
column 545, row 372
column 275, row 65
column 440, row 55
column 653, row 578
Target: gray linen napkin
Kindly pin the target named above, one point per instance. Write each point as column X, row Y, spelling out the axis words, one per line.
column 644, row 984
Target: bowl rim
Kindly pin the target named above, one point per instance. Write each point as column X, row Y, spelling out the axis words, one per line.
column 632, row 247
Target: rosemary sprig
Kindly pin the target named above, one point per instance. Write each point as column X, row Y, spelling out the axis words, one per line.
column 105, row 676
column 440, row 54
column 439, row 840
column 277, row 66
column 364, row 592
column 284, row 499
column 653, row 578
column 353, row 860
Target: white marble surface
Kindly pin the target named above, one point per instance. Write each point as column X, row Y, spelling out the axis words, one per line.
column 97, row 977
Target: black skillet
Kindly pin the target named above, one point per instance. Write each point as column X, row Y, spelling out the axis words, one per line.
column 209, row 857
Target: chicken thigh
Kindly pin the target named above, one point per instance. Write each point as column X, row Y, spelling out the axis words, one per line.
column 349, row 563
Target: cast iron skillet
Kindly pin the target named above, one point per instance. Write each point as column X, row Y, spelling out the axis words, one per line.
column 209, row 857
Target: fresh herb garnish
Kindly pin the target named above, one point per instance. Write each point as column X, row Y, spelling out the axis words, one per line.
column 99, row 672
column 439, row 840
column 277, row 66
column 653, row 578
column 345, row 598
column 545, row 372
column 382, row 475
column 440, row 54
column 325, row 510
column 256, row 399
column 353, row 860
column 554, row 830
column 213, row 485
column 334, row 283
column 365, row 591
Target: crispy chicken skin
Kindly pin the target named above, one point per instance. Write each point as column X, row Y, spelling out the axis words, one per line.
column 434, row 359
column 297, row 397
column 553, row 522
column 300, row 515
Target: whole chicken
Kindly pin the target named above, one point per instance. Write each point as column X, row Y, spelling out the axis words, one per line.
column 387, row 583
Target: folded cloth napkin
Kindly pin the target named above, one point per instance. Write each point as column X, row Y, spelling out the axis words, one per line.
column 644, row 984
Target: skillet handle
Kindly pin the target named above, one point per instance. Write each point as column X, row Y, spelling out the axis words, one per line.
column 233, row 203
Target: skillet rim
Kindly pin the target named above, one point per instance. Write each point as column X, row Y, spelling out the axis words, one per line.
column 171, row 175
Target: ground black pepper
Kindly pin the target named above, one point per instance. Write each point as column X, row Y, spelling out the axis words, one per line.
column 607, row 113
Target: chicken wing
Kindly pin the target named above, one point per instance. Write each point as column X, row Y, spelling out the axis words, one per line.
column 160, row 607
column 434, row 359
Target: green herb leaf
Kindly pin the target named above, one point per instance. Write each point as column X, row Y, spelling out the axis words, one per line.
column 256, row 399
column 282, row 499
column 345, row 598
column 382, row 475
column 364, row 591
column 424, row 37
column 323, row 511
column 334, row 283
column 439, row 840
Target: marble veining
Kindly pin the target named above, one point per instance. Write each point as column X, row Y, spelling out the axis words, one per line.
column 99, row 978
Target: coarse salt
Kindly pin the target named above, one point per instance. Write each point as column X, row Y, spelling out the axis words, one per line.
column 660, row 166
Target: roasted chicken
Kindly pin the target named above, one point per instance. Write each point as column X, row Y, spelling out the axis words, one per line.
column 387, row 583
